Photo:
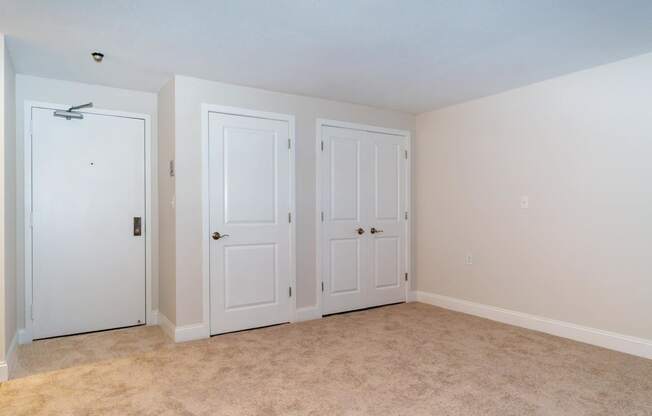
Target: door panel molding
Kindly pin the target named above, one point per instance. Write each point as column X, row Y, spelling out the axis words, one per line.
column 206, row 111
column 404, row 217
column 336, row 285
column 379, row 208
column 236, row 257
column 150, row 315
column 380, row 269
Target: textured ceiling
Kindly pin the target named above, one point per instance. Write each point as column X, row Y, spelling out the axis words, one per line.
column 409, row 55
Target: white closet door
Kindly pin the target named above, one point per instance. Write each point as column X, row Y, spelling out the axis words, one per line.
column 387, row 217
column 249, row 188
column 363, row 187
column 346, row 185
column 88, row 185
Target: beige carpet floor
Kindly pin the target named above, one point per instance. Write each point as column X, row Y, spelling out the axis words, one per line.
column 410, row 359
column 57, row 353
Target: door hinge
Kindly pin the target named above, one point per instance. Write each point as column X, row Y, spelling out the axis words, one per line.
column 406, row 154
column 406, row 277
column 290, row 291
column 406, row 216
column 322, row 216
column 290, row 217
column 322, row 286
column 322, row 145
column 289, row 143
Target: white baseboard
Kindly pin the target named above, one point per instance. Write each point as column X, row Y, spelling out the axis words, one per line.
column 307, row 314
column 191, row 332
column 182, row 333
column 411, row 296
column 12, row 355
column 167, row 326
column 624, row 343
column 24, row 336
column 153, row 317
column 10, row 359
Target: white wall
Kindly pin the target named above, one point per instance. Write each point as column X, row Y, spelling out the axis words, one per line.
column 167, row 219
column 30, row 88
column 9, row 200
column 3, row 116
column 7, row 210
column 190, row 93
column 580, row 146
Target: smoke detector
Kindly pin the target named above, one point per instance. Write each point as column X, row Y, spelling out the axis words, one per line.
column 97, row 56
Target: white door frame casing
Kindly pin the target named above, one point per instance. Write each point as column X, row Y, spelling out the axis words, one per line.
column 150, row 315
column 319, row 203
column 206, row 109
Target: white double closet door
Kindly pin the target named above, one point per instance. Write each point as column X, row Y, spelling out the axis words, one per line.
column 88, row 223
column 364, row 219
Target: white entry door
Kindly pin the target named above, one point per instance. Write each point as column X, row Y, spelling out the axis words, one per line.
column 88, row 215
column 249, row 193
column 364, row 219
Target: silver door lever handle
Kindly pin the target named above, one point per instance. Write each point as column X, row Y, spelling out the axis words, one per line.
column 217, row 235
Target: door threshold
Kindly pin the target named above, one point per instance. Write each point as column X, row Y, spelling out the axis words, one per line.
column 88, row 332
column 248, row 329
column 362, row 309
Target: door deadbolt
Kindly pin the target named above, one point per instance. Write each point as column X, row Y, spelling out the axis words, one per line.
column 217, row 235
column 360, row 231
column 138, row 228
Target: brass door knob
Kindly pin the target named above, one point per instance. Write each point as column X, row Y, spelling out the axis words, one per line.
column 216, row 235
column 375, row 231
column 360, row 231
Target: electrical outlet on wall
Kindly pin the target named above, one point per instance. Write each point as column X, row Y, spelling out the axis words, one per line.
column 468, row 259
column 525, row 202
